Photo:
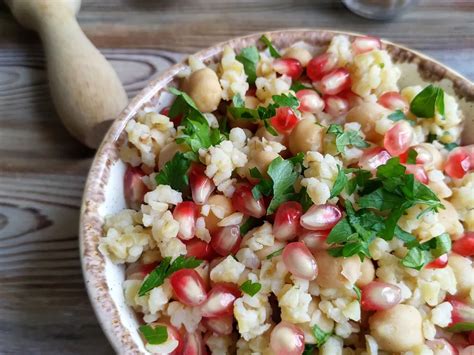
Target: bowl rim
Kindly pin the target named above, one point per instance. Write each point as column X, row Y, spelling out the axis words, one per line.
column 90, row 223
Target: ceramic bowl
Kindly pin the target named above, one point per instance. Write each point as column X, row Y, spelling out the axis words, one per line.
column 103, row 192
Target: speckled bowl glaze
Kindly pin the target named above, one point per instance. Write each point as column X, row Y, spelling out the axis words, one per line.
column 103, row 193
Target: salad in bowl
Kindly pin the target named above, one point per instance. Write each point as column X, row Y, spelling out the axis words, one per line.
column 290, row 200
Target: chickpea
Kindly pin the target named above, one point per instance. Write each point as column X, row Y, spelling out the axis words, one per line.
column 262, row 132
column 464, row 273
column 449, row 218
column 306, row 136
column 300, row 54
column 167, row 153
column 222, row 202
column 251, row 102
column 367, row 114
column 336, row 272
column 367, row 273
column 204, row 88
column 397, row 329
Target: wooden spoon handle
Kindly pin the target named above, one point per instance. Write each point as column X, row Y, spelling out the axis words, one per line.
column 85, row 88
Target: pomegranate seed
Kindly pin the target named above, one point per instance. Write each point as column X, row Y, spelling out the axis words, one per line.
column 418, row 171
column 378, row 296
column 173, row 334
column 393, row 101
column 398, row 139
column 201, row 186
column 188, row 287
column 465, row 245
column 139, row 271
column 366, row 44
column 287, row 339
column 314, row 240
column 176, row 120
column 221, row 325
column 336, row 81
column 193, row 344
column 200, row 249
column 335, row 105
column 321, row 65
column 310, row 101
column 185, row 213
column 441, row 347
column 220, row 300
column 288, row 66
column 461, row 313
column 299, row 261
column 438, row 263
column 372, row 158
column 287, row 221
column 252, row 91
column 243, row 201
column 226, row 240
column 459, row 162
column 284, row 120
column 352, row 99
column 321, row 217
column 133, row 187
column 470, row 337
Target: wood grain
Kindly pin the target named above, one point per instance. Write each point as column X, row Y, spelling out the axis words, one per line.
column 44, row 308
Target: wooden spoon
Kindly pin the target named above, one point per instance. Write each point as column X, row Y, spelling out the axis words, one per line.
column 85, row 88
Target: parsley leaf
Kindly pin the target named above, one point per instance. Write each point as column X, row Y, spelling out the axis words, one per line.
column 339, row 183
column 424, row 104
column 238, row 101
column 343, row 139
column 416, row 258
column 165, row 269
column 196, row 133
column 357, row 292
column 398, row 115
column 264, row 186
column 298, row 85
column 412, row 154
column 275, row 253
column 251, row 288
column 320, row 335
column 273, row 52
column 304, row 199
column 283, row 177
column 450, row 146
column 309, row 349
column 249, row 224
column 286, row 101
column 249, row 58
column 174, row 173
column 154, row 335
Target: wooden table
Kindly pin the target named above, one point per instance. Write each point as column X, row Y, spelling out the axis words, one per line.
column 43, row 304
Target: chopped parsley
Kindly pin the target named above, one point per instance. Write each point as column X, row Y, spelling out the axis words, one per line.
column 174, row 173
column 345, row 138
column 357, row 292
column 309, row 349
column 320, row 335
column 154, row 335
column 273, row 51
column 275, row 253
column 427, row 102
column 281, row 183
column 261, row 113
column 249, row 57
column 298, row 85
column 398, row 115
column 165, row 269
column 339, row 184
column 383, row 200
column 412, row 154
column 450, row 146
column 249, row 224
column 420, row 254
column 251, row 288
column 196, row 133
column 304, row 199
